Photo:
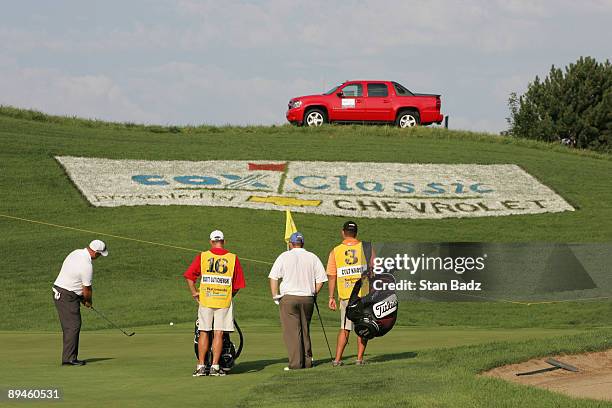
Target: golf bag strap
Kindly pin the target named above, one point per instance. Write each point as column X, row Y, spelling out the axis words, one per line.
column 355, row 293
column 241, row 337
column 367, row 251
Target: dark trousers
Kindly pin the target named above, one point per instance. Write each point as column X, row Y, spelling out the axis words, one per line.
column 295, row 316
column 68, row 305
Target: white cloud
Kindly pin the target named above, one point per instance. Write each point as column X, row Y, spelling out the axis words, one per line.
column 19, row 40
column 211, row 95
column 173, row 93
column 504, row 86
column 90, row 96
column 276, row 23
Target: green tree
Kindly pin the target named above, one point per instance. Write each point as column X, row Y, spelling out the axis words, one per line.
column 574, row 105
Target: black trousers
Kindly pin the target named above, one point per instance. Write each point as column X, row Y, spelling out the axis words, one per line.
column 68, row 305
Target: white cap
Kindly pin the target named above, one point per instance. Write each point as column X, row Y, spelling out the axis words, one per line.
column 216, row 235
column 99, row 247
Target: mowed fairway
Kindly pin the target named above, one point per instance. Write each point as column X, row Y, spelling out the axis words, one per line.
column 155, row 366
column 431, row 358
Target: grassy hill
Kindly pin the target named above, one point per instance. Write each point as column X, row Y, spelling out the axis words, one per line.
column 432, row 356
column 145, row 280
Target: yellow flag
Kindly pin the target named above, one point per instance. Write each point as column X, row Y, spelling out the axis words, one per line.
column 289, row 226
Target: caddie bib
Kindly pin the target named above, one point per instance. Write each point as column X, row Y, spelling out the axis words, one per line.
column 350, row 266
column 216, row 281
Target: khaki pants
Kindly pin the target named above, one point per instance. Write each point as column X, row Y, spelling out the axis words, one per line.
column 345, row 322
column 295, row 316
column 216, row 319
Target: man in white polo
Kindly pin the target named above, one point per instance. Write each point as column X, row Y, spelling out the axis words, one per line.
column 72, row 287
column 302, row 275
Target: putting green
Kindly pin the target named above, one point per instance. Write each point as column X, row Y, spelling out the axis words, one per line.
column 155, row 365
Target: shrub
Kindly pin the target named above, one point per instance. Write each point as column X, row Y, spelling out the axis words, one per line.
column 573, row 106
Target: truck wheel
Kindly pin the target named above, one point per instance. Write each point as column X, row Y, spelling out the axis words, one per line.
column 408, row 119
column 315, row 117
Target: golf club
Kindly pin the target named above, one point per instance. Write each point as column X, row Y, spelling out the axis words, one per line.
column 113, row 324
column 323, row 327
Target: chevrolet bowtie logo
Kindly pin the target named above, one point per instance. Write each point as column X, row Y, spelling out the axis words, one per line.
column 286, row 201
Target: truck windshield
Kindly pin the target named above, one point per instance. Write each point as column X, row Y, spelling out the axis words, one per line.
column 401, row 91
column 331, row 91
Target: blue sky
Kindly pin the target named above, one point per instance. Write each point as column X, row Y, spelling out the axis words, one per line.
column 220, row 62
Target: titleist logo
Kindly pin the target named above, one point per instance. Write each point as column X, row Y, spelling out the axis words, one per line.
column 385, row 307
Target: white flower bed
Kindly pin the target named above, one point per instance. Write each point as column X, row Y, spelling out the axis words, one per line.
column 371, row 190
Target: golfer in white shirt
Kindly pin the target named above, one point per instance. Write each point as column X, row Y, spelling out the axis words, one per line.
column 302, row 275
column 72, row 287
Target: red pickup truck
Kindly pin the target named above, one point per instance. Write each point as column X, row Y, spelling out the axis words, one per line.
column 366, row 102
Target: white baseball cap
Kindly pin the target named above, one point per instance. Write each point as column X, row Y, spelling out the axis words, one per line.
column 99, row 247
column 217, row 235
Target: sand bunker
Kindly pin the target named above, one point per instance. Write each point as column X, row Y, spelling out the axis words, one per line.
column 594, row 380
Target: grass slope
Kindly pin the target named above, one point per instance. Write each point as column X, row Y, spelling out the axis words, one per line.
column 430, row 378
column 141, row 284
column 417, row 364
column 156, row 364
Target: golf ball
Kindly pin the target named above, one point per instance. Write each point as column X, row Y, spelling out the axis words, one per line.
column 171, row 323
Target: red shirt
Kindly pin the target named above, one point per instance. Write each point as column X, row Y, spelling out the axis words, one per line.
column 194, row 271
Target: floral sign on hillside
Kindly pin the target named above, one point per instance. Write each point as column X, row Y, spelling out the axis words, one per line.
column 372, row 190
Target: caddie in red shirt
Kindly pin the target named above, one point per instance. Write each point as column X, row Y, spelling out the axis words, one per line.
column 221, row 276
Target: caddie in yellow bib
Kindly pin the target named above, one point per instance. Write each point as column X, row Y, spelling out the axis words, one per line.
column 347, row 264
column 351, row 264
column 216, row 280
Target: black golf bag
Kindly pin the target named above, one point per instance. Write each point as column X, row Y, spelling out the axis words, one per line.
column 373, row 315
column 229, row 353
